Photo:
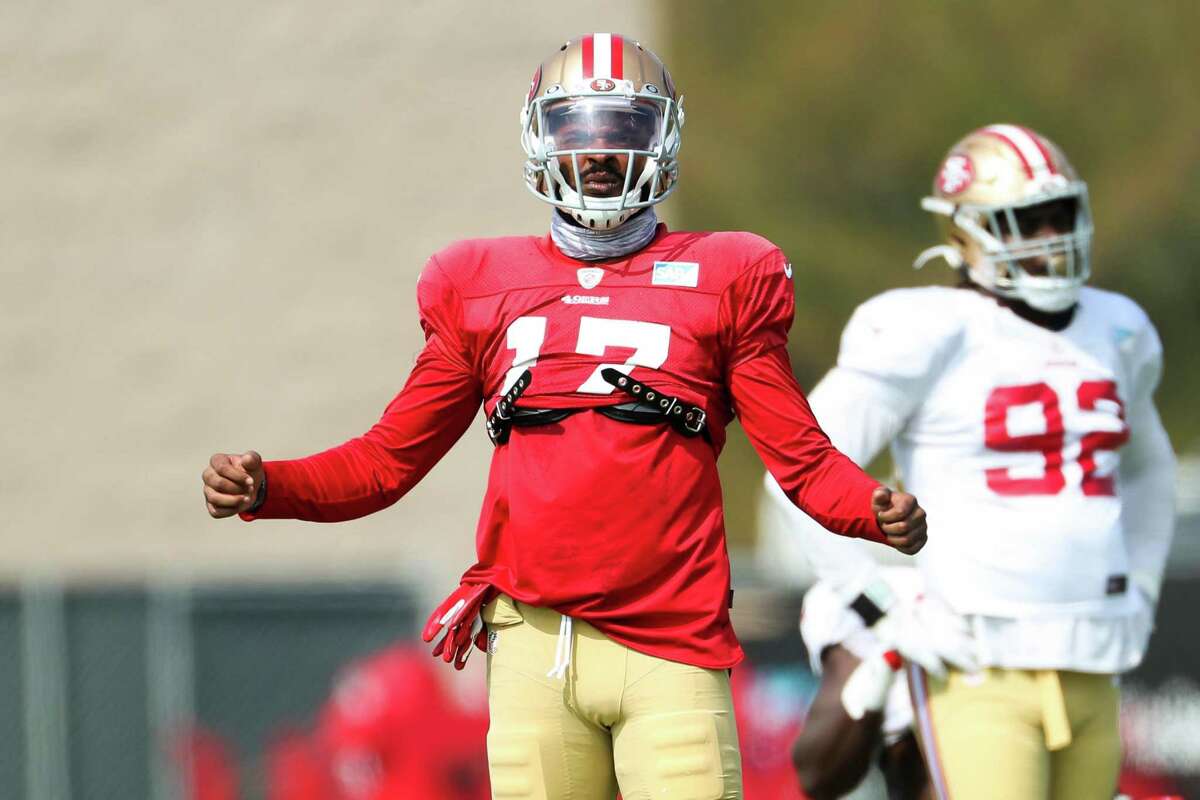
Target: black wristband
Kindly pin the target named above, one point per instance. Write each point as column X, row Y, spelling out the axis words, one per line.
column 260, row 497
column 866, row 609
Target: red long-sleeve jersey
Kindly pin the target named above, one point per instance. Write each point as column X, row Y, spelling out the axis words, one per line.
column 616, row 523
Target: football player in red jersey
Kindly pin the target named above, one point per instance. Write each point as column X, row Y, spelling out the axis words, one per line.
column 609, row 356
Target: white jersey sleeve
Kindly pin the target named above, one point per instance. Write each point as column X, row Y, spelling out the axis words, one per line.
column 900, row 341
column 1147, row 471
column 890, row 355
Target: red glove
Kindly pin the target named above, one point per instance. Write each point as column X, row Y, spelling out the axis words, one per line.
column 458, row 619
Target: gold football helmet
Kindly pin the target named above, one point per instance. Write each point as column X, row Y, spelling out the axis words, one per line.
column 1013, row 211
column 602, row 94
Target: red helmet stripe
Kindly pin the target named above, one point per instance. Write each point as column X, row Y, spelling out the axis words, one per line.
column 992, row 131
column 618, row 57
column 589, row 57
column 1037, row 140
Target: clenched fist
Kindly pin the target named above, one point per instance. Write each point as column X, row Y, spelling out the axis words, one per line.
column 232, row 482
column 900, row 518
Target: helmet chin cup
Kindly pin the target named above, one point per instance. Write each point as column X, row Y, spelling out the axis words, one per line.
column 1047, row 294
column 596, row 217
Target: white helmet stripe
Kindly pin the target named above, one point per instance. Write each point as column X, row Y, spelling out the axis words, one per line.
column 1026, row 146
column 602, row 55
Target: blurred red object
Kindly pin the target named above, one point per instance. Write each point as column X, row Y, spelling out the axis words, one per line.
column 206, row 765
column 769, row 715
column 298, row 769
column 393, row 727
column 1146, row 786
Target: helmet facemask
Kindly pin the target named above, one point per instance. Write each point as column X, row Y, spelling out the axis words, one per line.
column 584, row 129
column 1011, row 257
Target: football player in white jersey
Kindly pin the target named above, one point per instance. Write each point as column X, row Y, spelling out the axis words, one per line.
column 1019, row 406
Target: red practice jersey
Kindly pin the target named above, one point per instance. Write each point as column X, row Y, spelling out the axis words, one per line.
column 616, row 523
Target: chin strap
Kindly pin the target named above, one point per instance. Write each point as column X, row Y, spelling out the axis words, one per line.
column 584, row 244
column 945, row 251
column 937, row 205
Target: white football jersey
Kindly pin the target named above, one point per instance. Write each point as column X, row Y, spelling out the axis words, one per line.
column 1038, row 455
column 1011, row 441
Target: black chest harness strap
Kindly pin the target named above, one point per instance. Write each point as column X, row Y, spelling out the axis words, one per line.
column 650, row 407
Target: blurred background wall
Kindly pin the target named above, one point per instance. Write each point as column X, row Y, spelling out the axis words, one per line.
column 212, row 217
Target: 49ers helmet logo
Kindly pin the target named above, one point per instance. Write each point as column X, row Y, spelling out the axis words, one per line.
column 955, row 175
column 603, row 85
column 533, row 84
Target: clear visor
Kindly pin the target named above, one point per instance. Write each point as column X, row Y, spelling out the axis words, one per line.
column 602, row 123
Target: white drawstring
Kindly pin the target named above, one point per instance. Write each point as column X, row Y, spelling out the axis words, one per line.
column 562, row 651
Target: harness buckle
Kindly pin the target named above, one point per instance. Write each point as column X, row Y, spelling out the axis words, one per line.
column 689, row 420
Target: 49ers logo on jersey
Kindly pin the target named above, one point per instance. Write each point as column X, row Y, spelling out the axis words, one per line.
column 589, row 277
column 956, row 174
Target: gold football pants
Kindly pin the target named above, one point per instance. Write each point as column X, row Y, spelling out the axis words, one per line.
column 1012, row 733
column 616, row 718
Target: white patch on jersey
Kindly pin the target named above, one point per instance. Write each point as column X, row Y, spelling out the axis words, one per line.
column 676, row 273
column 787, row 270
column 584, row 300
column 589, row 277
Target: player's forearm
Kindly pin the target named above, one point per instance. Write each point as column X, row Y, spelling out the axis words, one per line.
column 345, row 482
column 844, row 725
column 821, row 481
column 373, row 471
column 833, row 752
column 1147, row 486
